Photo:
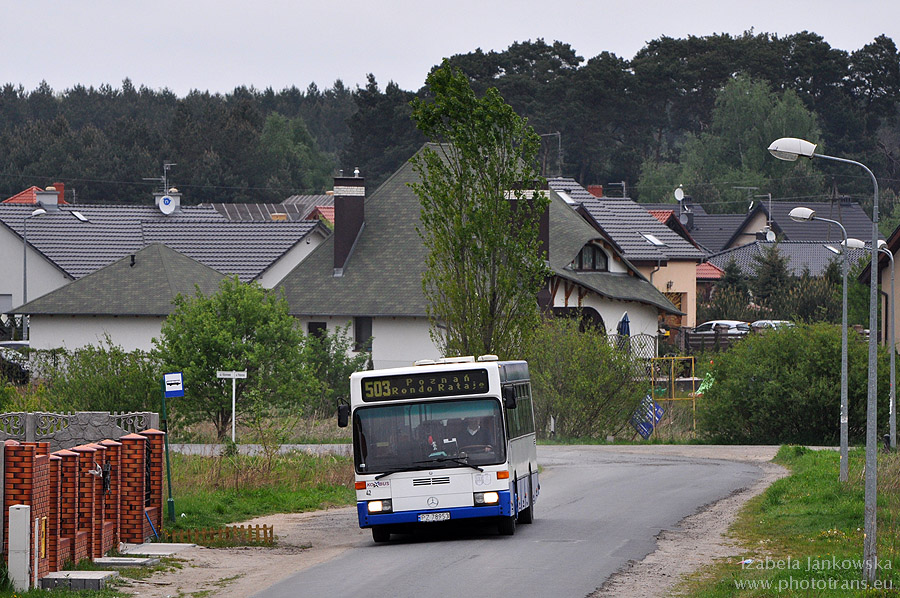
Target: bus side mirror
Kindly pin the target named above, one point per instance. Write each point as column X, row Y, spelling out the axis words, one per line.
column 343, row 414
column 509, row 397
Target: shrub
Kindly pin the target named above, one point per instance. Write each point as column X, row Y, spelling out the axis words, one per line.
column 588, row 386
column 784, row 387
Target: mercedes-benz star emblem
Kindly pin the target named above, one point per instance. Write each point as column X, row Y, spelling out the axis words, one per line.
column 432, row 501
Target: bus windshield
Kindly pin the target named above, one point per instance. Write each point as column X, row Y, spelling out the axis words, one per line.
column 428, row 435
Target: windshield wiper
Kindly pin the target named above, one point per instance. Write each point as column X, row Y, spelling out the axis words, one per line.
column 385, row 474
column 456, row 460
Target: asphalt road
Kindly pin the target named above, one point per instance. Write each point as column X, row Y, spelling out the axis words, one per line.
column 597, row 511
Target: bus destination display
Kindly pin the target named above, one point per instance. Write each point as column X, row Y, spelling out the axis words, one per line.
column 417, row 386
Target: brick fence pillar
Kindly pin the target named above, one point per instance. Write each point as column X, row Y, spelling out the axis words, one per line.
column 68, row 506
column 84, row 534
column 112, row 503
column 157, row 471
column 53, row 526
column 98, row 500
column 132, row 488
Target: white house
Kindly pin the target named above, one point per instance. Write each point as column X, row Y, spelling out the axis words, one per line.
column 368, row 274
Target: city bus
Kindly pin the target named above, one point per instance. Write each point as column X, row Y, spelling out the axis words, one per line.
column 443, row 441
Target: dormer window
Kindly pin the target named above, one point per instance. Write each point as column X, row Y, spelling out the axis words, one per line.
column 590, row 259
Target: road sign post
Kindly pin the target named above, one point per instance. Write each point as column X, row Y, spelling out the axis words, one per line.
column 173, row 386
column 234, row 375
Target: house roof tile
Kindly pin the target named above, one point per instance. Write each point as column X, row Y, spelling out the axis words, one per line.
column 629, row 226
column 708, row 271
column 801, row 255
column 28, row 196
column 79, row 248
column 142, row 284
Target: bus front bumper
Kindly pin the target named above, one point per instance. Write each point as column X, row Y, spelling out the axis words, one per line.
column 503, row 508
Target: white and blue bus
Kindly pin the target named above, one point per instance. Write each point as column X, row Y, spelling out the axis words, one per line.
column 443, row 441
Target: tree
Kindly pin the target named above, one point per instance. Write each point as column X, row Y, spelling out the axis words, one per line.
column 485, row 263
column 118, row 380
column 291, row 155
column 241, row 327
column 772, row 275
column 382, row 134
column 747, row 117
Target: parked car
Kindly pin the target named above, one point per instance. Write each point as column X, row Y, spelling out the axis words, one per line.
column 722, row 327
column 760, row 325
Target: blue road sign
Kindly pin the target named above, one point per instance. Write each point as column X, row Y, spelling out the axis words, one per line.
column 173, row 384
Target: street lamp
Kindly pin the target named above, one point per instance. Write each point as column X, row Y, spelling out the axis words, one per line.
column 892, row 411
column 801, row 214
column 789, row 149
column 882, row 246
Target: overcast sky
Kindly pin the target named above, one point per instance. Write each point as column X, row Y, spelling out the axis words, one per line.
column 217, row 45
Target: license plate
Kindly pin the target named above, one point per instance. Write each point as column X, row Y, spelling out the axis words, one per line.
column 428, row 517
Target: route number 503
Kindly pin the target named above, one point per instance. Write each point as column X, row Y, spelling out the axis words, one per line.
column 377, row 389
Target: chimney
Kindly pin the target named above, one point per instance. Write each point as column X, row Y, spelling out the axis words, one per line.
column 595, row 190
column 61, row 190
column 168, row 202
column 530, row 189
column 48, row 199
column 349, row 218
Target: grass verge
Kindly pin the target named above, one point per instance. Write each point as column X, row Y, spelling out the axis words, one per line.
column 803, row 536
column 220, row 490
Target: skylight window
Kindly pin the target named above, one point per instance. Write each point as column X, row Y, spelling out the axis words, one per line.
column 653, row 240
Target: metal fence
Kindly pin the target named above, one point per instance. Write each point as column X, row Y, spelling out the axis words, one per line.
column 65, row 430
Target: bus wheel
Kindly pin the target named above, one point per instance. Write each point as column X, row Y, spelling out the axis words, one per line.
column 381, row 534
column 526, row 515
column 507, row 525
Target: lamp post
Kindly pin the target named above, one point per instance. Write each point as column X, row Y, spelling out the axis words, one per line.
column 800, row 214
column 34, row 214
column 882, row 246
column 892, row 406
column 789, row 149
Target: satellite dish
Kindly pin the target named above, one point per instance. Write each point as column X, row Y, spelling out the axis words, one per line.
column 679, row 194
column 684, row 219
column 166, row 205
column 770, row 235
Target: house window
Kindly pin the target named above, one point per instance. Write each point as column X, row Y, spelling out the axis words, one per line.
column 590, row 259
column 362, row 333
column 317, row 329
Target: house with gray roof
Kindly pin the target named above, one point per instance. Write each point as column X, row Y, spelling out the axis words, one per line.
column 802, row 256
column 68, row 242
column 125, row 301
column 368, row 274
column 718, row 232
column 664, row 257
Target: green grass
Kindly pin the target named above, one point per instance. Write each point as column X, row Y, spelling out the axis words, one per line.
column 217, row 491
column 804, row 533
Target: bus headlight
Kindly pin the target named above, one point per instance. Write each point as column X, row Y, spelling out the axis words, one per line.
column 380, row 506
column 486, row 498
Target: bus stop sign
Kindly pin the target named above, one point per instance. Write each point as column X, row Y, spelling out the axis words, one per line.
column 174, row 385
